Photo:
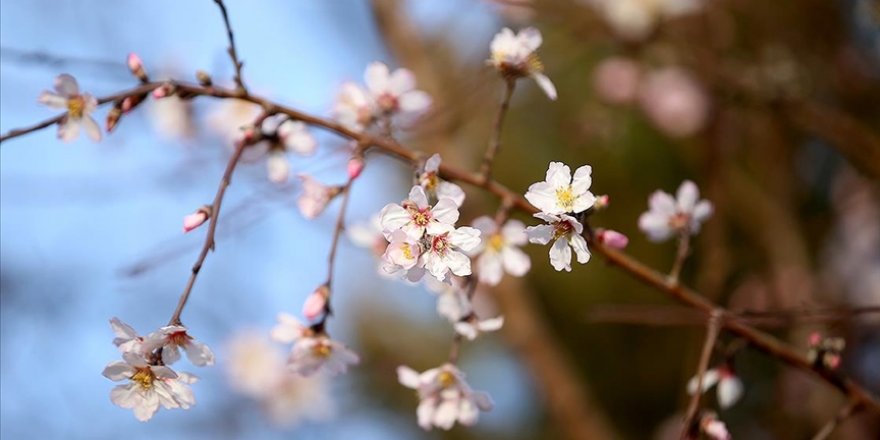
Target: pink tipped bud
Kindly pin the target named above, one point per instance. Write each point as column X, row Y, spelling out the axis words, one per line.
column 163, row 91
column 612, row 238
column 815, row 339
column 832, row 360
column 204, row 78
column 355, row 166
column 601, row 202
column 196, row 219
column 316, row 303
column 136, row 66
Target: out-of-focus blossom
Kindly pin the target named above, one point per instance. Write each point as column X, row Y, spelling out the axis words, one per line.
column 149, row 386
column 174, row 337
column 513, row 54
column 79, row 107
column 825, row 351
column 353, row 108
column 435, row 186
column 369, row 235
column 294, row 135
column 312, row 352
column 395, row 92
column 565, row 232
column 499, row 250
column 730, row 387
column 668, row 216
column 715, row 429
column 172, row 117
column 415, row 216
column 452, row 300
column 315, row 196
column 127, row 339
column 444, row 397
column 136, row 67
column 611, row 238
column 674, row 101
column 559, row 193
column 616, row 80
column 316, row 303
column 636, row 19
column 472, row 326
column 230, row 117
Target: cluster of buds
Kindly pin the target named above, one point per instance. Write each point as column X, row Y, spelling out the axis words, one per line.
column 825, row 352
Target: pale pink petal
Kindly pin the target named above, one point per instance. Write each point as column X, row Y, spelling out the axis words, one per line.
column 92, row 128
column 53, row 100
column 66, row 85
column 546, row 85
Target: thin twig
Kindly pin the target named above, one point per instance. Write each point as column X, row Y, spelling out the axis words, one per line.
column 495, row 139
column 712, row 329
column 845, row 413
column 454, row 350
column 212, row 226
column 665, row 316
column 233, row 53
column 337, row 231
column 684, row 240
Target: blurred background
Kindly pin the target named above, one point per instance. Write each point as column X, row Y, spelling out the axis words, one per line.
column 773, row 108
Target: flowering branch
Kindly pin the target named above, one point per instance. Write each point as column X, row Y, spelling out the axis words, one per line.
column 214, row 217
column 712, row 329
column 495, row 139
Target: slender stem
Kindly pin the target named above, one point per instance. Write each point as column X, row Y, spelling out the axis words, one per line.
column 233, row 53
column 495, row 139
column 212, row 226
column 454, row 350
column 337, row 231
column 846, row 412
column 759, row 340
column 712, row 330
column 684, row 240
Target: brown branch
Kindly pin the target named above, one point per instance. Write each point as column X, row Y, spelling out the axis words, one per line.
column 337, row 231
column 212, row 226
column 663, row 316
column 495, row 140
column 712, row 329
column 845, row 413
column 761, row 341
column 233, row 53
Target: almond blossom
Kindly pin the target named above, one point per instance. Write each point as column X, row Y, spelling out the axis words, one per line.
column 636, row 19
column 513, row 54
column 315, row 196
column 730, row 388
column 446, row 252
column 174, row 337
column 415, row 216
column 436, row 187
column 452, row 301
column 472, row 326
column 285, row 135
column 312, row 351
column 713, row 428
column 444, row 397
column 369, row 235
column 668, row 216
column 79, row 108
column 127, row 339
column 499, row 251
column 149, row 386
column 395, row 92
column 565, row 231
column 353, row 107
column 559, row 193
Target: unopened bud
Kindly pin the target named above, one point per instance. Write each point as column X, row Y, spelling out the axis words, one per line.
column 355, row 167
column 163, row 91
column 131, row 102
column 316, row 303
column 136, row 66
column 612, row 238
column 204, row 78
column 601, row 202
column 815, row 339
column 196, row 219
column 113, row 118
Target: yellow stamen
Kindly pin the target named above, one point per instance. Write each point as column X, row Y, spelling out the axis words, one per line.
column 407, row 251
column 496, row 242
column 322, row 349
column 446, row 379
column 75, row 107
column 144, row 377
column 565, row 197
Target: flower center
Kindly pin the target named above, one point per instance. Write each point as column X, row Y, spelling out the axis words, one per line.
column 562, row 229
column 407, row 251
column 679, row 221
column 534, row 64
column 76, row 106
column 446, row 379
column 387, row 102
column 429, row 180
column 565, row 198
column 179, row 338
column 420, row 217
column 439, row 244
column 144, row 377
column 322, row 349
column 496, row 242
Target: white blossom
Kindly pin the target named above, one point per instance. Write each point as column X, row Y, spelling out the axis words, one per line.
column 395, row 92
column 715, row 429
column 315, row 196
column 445, row 252
column 730, row 387
column 79, row 108
column 149, row 386
column 174, row 337
column 499, row 250
column 513, row 54
column 444, row 397
column 415, row 216
column 311, row 351
column 636, row 19
column 369, row 235
column 127, row 339
column 403, row 251
column 565, row 231
column 437, row 187
column 472, row 326
column 559, row 193
column 668, row 216
column 353, row 108
column 231, row 117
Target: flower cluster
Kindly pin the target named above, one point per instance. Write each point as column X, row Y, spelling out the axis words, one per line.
column 444, row 396
column 145, row 365
column 560, row 197
column 387, row 94
column 730, row 387
column 312, row 349
column 825, row 352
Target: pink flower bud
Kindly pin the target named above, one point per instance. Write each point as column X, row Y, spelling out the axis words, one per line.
column 602, row 202
column 316, row 303
column 163, row 91
column 815, row 339
column 196, row 219
column 612, row 238
column 137, row 67
column 832, row 360
column 355, row 166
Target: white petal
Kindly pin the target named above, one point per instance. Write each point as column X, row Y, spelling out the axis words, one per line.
column 687, row 196
column 546, row 85
column 468, row 412
column 92, row 128
column 125, row 396
column 415, row 101
column 655, row 225
column 376, row 77
column 582, row 180
column 558, row 175
column 729, row 391
column 458, row 263
column 445, row 211
column 514, row 232
column 52, row 100
column 199, row 354
column 486, row 225
column 579, row 245
column 68, row 130
column 702, row 211
column 408, row 377
column 451, row 191
column 401, row 81
column 465, row 238
column 118, row 370
column 662, row 203
column 393, row 217
column 66, row 85
column 170, row 354
column 530, row 38
column 710, row 378
column 417, row 195
column 277, row 167
column 122, row 330
column 466, row 329
column 540, row 234
column 425, row 413
column 491, row 324
column 516, row 262
column 490, row 268
column 583, row 202
column 288, row 329
column 446, row 414
column 560, row 255
column 542, row 195
column 145, row 410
